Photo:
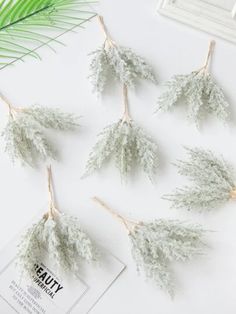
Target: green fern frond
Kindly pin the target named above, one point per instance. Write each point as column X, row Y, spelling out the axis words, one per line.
column 27, row 25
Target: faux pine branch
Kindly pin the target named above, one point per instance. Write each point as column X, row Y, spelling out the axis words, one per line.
column 127, row 144
column 27, row 25
column 199, row 91
column 25, row 137
column 60, row 237
column 212, row 182
column 121, row 63
column 157, row 244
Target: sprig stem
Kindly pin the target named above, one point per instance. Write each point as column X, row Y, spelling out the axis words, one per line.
column 233, row 193
column 129, row 224
column 52, row 207
column 208, row 58
column 11, row 109
column 126, row 115
column 108, row 38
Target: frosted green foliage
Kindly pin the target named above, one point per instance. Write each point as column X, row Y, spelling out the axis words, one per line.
column 29, row 249
column 155, row 245
column 26, row 142
column 201, row 94
column 99, row 68
column 53, row 118
column 62, row 239
column 212, row 180
column 121, row 63
column 25, row 137
column 128, row 145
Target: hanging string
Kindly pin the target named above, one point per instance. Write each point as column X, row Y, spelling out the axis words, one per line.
column 129, row 224
column 126, row 115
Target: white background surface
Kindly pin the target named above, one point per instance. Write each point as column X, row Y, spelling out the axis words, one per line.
column 226, row 4
column 205, row 286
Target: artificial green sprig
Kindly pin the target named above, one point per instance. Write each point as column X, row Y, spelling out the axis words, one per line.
column 157, row 244
column 121, row 63
column 60, row 237
column 127, row 144
column 199, row 91
column 25, row 137
column 212, row 180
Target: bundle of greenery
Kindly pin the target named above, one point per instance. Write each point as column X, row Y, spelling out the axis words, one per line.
column 155, row 245
column 212, row 178
column 25, row 137
column 121, row 63
column 200, row 92
column 127, row 144
column 60, row 237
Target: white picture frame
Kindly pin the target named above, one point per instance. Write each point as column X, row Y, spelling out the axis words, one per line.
column 203, row 15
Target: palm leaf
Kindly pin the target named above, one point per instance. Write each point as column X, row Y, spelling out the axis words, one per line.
column 27, row 25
